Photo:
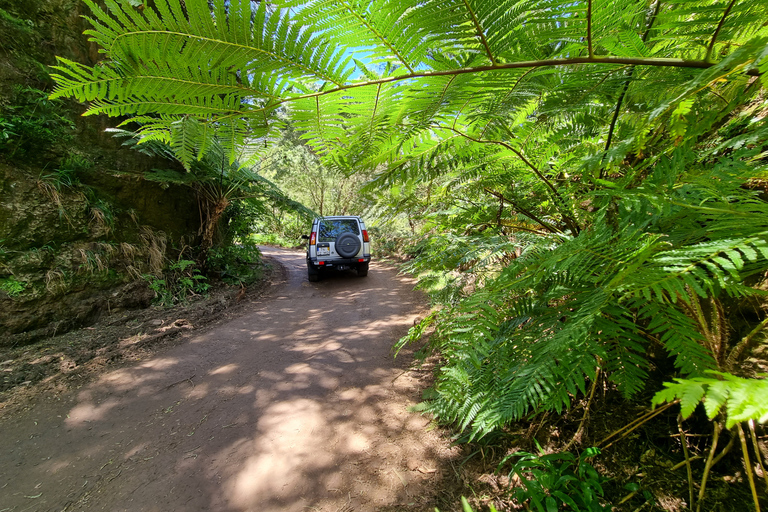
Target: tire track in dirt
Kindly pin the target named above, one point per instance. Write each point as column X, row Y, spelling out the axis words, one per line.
column 296, row 405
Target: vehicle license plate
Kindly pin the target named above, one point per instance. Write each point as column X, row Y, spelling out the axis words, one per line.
column 323, row 251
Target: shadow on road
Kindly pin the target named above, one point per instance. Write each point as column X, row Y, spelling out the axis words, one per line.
column 296, row 405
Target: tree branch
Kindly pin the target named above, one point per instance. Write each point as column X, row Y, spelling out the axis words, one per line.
column 623, row 94
column 625, row 61
column 383, row 39
column 711, row 46
column 570, row 221
column 516, row 152
column 373, row 113
column 480, row 32
column 527, row 213
column 589, row 30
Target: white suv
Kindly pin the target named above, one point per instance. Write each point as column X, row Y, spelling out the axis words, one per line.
column 337, row 243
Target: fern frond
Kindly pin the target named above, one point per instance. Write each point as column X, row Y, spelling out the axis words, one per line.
column 743, row 399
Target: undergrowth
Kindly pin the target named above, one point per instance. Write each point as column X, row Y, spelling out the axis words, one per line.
column 179, row 283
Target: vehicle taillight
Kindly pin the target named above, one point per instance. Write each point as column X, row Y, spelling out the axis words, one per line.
column 365, row 235
column 313, row 238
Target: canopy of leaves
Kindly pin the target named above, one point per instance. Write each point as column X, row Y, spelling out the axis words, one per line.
column 589, row 172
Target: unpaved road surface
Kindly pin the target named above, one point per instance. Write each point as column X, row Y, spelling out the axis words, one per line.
column 297, row 405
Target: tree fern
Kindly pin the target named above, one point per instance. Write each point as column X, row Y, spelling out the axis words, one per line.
column 171, row 56
column 599, row 300
column 226, row 65
column 583, row 173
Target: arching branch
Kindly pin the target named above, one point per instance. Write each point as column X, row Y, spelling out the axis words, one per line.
column 623, row 94
column 480, row 32
column 549, row 227
column 567, row 217
column 711, row 46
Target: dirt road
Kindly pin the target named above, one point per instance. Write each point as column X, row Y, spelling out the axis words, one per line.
column 296, row 405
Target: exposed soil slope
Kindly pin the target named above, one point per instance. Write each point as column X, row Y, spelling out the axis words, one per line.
column 295, row 405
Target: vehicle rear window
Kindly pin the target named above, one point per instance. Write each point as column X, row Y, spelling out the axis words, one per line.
column 330, row 229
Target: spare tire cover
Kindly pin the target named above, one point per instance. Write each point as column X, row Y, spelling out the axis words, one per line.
column 347, row 245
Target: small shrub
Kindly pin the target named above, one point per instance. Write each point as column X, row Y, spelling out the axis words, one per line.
column 236, row 263
column 558, row 481
column 69, row 169
column 31, row 123
column 12, row 286
column 180, row 282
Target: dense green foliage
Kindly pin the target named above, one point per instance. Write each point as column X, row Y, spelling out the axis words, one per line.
column 605, row 298
column 557, row 480
column 233, row 199
column 743, row 398
column 587, row 178
column 232, row 195
column 180, row 281
column 31, row 121
column 300, row 175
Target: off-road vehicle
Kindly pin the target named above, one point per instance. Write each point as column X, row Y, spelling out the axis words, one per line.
column 337, row 243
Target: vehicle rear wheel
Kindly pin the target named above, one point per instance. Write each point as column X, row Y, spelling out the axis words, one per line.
column 362, row 270
column 313, row 275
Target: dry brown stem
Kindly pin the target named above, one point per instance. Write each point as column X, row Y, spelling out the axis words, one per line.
column 748, row 467
column 758, row 452
column 625, row 430
column 684, row 442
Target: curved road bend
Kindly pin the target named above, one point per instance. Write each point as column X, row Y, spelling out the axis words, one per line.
column 297, row 405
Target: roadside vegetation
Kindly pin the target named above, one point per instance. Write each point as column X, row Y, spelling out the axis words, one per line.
column 88, row 227
column 580, row 186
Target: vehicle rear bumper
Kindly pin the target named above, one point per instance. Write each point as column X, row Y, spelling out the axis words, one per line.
column 336, row 262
